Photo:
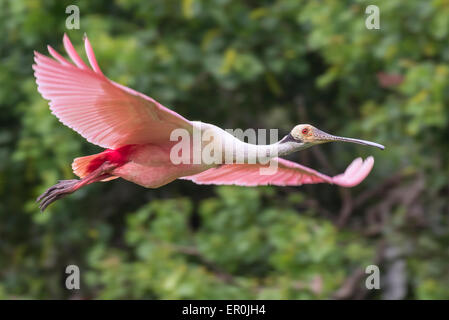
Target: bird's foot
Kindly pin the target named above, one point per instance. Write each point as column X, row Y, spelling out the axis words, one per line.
column 59, row 190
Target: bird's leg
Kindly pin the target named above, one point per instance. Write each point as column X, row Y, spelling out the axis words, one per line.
column 66, row 187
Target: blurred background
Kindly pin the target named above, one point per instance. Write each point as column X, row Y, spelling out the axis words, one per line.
column 236, row 64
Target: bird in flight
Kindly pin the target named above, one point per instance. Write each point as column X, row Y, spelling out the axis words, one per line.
column 136, row 132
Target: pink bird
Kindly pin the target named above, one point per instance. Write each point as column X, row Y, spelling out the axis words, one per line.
column 136, row 132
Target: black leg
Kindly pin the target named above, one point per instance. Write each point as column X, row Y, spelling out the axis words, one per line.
column 59, row 190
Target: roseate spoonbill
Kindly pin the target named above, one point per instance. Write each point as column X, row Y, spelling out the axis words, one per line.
column 135, row 131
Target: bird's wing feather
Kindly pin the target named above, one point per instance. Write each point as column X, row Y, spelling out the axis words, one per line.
column 102, row 111
column 288, row 173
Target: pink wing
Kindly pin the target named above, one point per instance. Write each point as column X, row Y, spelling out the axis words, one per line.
column 102, row 111
column 288, row 174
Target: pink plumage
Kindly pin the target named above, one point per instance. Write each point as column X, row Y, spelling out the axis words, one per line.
column 103, row 112
column 288, row 173
column 135, row 129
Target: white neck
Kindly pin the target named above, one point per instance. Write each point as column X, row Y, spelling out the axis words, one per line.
column 270, row 151
column 234, row 150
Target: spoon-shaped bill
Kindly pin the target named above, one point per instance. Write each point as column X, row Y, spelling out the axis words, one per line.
column 325, row 137
column 360, row 141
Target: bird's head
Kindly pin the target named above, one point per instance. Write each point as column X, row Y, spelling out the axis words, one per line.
column 306, row 135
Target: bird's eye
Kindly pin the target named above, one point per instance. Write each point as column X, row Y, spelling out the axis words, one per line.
column 305, row 131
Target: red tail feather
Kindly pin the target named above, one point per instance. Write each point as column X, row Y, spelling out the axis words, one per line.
column 83, row 166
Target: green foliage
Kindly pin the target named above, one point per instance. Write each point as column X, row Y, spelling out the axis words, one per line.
column 264, row 64
column 242, row 250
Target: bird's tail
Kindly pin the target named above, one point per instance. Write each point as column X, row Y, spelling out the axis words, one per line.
column 97, row 167
column 82, row 166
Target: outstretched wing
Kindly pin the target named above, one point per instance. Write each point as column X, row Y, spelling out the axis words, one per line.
column 102, row 111
column 288, row 173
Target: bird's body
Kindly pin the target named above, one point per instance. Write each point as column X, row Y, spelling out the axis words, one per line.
column 150, row 165
column 137, row 133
